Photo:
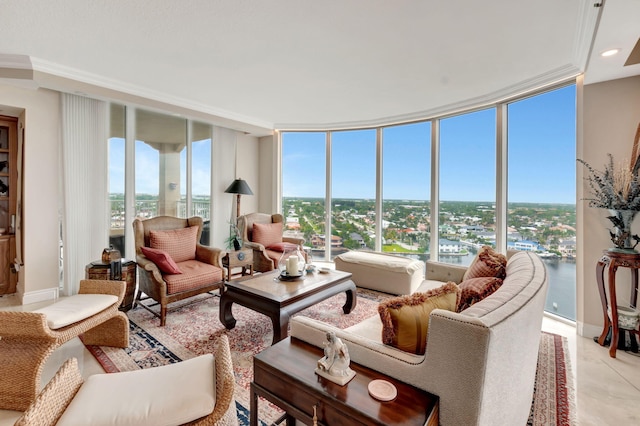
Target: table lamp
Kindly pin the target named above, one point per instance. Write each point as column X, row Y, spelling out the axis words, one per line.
column 238, row 187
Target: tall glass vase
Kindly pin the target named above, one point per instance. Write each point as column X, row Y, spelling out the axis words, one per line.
column 291, row 264
column 621, row 234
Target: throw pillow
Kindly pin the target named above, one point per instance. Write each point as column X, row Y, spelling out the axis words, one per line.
column 180, row 244
column 405, row 319
column 267, row 234
column 162, row 259
column 488, row 263
column 282, row 247
column 476, row 289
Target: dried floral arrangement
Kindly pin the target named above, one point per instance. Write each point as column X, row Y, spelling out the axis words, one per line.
column 617, row 188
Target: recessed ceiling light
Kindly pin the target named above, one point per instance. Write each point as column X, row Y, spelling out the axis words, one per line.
column 610, row 52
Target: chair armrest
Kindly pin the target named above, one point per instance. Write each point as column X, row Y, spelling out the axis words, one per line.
column 53, row 400
column 150, row 267
column 210, row 255
column 24, row 325
column 298, row 241
column 254, row 246
column 115, row 288
column 439, row 271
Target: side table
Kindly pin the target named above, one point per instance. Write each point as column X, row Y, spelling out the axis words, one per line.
column 284, row 374
column 615, row 259
column 98, row 270
column 238, row 259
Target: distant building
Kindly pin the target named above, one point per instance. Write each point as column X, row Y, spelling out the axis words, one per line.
column 448, row 246
column 358, row 238
column 525, row 245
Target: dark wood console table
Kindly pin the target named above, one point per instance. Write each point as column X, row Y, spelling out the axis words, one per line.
column 284, row 375
column 615, row 259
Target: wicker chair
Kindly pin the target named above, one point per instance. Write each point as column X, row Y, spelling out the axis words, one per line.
column 26, row 341
column 55, row 398
column 264, row 259
column 166, row 288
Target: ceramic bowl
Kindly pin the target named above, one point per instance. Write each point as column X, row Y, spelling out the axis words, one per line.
column 628, row 318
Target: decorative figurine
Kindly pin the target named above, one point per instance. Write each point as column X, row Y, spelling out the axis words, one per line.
column 334, row 365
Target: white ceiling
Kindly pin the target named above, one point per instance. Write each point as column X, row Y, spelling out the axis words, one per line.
column 299, row 64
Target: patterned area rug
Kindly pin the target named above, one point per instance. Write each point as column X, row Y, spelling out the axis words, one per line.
column 193, row 329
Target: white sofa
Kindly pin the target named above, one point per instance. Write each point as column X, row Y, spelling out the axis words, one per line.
column 481, row 362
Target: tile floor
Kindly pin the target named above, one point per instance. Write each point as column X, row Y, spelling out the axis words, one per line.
column 607, row 389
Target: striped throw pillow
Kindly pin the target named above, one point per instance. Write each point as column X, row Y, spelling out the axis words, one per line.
column 405, row 319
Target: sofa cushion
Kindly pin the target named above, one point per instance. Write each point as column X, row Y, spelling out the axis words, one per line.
column 487, row 263
column 475, row 289
column 161, row 258
column 75, row 308
column 194, row 274
column 405, row 319
column 267, row 234
column 180, row 244
column 169, row 395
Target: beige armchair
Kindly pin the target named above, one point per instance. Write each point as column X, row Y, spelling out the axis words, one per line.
column 265, row 253
column 181, row 266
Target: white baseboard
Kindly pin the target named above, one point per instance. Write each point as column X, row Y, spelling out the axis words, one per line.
column 49, row 294
column 588, row 330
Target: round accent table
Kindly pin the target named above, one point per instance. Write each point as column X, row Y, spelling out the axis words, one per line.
column 615, row 259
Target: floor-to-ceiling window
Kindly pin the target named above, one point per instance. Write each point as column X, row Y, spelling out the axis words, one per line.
column 304, row 187
column 117, row 176
column 160, row 140
column 539, row 203
column 542, row 192
column 171, row 172
column 353, row 190
column 467, row 185
column 406, row 184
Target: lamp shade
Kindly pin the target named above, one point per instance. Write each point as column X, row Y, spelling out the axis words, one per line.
column 239, row 186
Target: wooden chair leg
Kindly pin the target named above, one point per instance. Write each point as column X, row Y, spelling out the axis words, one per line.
column 163, row 314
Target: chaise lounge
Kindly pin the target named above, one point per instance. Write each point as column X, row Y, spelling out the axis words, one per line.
column 28, row 338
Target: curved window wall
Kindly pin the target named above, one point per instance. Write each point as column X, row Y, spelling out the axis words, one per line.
column 441, row 188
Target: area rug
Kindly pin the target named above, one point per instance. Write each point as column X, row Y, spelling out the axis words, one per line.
column 193, row 329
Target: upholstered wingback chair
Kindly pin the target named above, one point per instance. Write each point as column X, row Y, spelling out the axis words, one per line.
column 262, row 232
column 173, row 265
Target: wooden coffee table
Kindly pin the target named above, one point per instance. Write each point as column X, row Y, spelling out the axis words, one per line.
column 279, row 300
column 284, row 375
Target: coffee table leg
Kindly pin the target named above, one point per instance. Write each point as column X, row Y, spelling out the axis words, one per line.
column 226, row 316
column 280, row 326
column 253, row 407
column 352, row 300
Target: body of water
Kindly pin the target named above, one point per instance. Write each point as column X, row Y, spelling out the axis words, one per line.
column 561, row 297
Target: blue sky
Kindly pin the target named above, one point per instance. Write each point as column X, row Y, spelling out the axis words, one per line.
column 148, row 168
column 541, row 153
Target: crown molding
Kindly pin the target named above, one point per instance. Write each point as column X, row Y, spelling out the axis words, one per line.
column 586, row 30
column 538, row 83
column 116, row 86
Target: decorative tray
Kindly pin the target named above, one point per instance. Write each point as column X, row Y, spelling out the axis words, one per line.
column 284, row 276
column 382, row 390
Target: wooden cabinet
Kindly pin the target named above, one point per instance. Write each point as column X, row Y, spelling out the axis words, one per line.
column 8, row 201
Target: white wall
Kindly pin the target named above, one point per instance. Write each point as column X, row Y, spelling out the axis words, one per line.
column 38, row 278
column 610, row 117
